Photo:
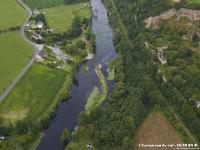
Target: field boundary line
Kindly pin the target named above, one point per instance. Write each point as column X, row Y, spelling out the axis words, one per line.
column 182, row 124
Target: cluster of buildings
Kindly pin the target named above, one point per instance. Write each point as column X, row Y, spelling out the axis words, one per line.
column 35, row 27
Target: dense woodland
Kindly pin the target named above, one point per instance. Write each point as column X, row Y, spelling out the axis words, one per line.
column 139, row 84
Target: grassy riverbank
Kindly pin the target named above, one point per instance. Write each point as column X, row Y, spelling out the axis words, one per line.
column 96, row 98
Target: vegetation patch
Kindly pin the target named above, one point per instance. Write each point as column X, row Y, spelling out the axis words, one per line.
column 111, row 73
column 112, row 67
column 92, row 100
column 60, row 18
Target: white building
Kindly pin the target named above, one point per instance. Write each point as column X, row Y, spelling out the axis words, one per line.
column 40, row 25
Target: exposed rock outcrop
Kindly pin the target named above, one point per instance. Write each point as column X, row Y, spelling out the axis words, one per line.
column 192, row 15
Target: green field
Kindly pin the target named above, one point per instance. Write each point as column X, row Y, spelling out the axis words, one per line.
column 43, row 3
column 60, row 18
column 14, row 54
column 34, row 94
column 12, row 14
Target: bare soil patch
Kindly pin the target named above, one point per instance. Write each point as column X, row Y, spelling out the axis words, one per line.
column 156, row 130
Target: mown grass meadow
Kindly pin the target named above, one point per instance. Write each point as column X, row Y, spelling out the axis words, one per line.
column 60, row 18
column 33, row 95
column 12, row 14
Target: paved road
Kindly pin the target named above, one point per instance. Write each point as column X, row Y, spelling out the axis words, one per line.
column 37, row 48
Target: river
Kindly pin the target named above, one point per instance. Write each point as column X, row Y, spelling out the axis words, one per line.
column 67, row 112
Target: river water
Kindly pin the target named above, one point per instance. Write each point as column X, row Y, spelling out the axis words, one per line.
column 67, row 112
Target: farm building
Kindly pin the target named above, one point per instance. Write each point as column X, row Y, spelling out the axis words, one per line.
column 37, row 36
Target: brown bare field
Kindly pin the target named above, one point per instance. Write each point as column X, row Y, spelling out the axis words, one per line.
column 156, row 130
